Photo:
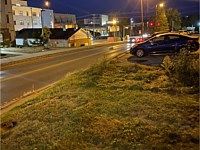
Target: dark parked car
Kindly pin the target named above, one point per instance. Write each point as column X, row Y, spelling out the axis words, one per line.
column 165, row 43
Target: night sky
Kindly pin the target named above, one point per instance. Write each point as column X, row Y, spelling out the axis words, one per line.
column 123, row 7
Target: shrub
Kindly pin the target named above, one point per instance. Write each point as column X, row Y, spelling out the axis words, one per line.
column 184, row 67
column 167, row 64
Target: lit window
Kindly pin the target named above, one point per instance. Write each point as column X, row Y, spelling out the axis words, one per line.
column 21, row 13
column 21, row 22
column 34, row 14
column 34, row 22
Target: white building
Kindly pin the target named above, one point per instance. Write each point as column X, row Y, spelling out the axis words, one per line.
column 96, row 23
column 96, row 19
column 47, row 18
column 64, row 20
column 26, row 17
column 30, row 17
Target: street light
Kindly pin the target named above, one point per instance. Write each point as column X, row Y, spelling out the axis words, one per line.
column 114, row 22
column 161, row 5
column 47, row 4
column 142, row 14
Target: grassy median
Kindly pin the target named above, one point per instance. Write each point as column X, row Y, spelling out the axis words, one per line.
column 113, row 105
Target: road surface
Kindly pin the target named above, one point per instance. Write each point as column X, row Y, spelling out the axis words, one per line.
column 24, row 78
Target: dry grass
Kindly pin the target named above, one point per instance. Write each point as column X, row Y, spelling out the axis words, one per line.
column 110, row 106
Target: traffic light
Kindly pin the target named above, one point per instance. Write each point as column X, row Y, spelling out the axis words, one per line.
column 151, row 24
column 158, row 24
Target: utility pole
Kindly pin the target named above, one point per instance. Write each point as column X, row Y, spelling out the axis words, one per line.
column 142, row 14
column 172, row 25
column 93, row 25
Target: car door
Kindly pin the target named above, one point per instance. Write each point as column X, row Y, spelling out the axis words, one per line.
column 157, row 44
column 174, row 41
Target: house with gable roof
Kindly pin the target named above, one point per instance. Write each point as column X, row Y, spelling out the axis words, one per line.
column 59, row 38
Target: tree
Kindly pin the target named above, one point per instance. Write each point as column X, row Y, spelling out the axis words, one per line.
column 122, row 24
column 174, row 19
column 46, row 35
column 161, row 22
column 37, row 36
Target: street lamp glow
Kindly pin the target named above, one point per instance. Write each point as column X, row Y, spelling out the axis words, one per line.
column 161, row 5
column 114, row 21
column 46, row 3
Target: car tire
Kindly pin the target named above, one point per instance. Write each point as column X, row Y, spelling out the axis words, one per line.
column 140, row 53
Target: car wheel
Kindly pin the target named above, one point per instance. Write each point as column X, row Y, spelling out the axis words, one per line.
column 140, row 53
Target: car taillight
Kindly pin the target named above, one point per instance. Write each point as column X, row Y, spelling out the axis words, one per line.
column 141, row 39
column 138, row 40
column 190, row 41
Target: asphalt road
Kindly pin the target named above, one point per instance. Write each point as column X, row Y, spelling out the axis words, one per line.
column 21, row 79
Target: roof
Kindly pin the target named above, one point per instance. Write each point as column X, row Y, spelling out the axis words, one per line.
column 171, row 33
column 57, row 33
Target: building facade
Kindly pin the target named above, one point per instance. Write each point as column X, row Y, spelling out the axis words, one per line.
column 97, row 23
column 19, row 2
column 26, row 17
column 6, row 22
column 96, row 19
column 30, row 17
column 64, row 21
column 47, row 18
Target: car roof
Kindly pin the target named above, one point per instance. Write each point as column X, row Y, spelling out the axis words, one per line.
column 171, row 33
column 168, row 33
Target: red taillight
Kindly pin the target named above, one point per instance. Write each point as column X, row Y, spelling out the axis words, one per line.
column 190, row 41
column 194, row 40
column 138, row 40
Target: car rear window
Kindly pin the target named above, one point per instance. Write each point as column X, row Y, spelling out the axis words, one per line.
column 173, row 37
column 158, row 39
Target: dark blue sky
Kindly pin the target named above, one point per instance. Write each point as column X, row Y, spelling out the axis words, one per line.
column 126, row 7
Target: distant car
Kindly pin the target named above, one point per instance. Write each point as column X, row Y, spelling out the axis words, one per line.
column 136, row 39
column 165, row 43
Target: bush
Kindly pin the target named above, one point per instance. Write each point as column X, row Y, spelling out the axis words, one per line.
column 167, row 64
column 184, row 67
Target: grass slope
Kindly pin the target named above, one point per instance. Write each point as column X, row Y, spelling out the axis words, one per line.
column 110, row 106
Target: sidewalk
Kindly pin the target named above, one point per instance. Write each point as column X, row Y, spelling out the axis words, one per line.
column 23, row 54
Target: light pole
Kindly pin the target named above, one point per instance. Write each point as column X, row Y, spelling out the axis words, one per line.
column 114, row 23
column 46, row 4
column 160, row 5
column 142, row 15
column 93, row 20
